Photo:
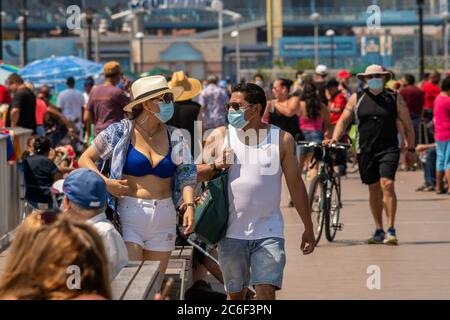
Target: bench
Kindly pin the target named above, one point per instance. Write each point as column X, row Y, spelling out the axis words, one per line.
column 180, row 269
column 139, row 280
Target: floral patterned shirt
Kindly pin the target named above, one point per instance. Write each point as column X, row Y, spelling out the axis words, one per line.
column 112, row 143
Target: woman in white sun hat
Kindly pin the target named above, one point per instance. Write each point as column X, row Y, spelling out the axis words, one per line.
column 151, row 167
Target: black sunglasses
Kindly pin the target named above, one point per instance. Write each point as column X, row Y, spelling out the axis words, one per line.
column 374, row 76
column 166, row 98
column 236, row 106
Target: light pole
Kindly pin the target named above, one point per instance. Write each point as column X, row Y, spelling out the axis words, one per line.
column 330, row 33
column 126, row 28
column 445, row 20
column 315, row 18
column 235, row 34
column 140, row 36
column 421, row 49
column 89, row 22
column 217, row 5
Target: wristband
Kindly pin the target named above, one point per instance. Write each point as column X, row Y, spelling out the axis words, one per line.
column 190, row 204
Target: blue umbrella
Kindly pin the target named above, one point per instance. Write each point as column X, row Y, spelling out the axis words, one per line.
column 56, row 70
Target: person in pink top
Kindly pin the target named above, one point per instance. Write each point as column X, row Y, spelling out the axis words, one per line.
column 314, row 121
column 442, row 136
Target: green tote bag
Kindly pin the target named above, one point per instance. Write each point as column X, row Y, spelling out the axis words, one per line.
column 211, row 214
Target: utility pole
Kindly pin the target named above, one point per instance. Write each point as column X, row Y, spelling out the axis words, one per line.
column 421, row 49
column 24, row 33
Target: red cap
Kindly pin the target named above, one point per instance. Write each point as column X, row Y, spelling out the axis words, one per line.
column 344, row 74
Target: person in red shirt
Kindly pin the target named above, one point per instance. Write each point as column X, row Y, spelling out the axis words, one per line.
column 431, row 90
column 414, row 99
column 336, row 101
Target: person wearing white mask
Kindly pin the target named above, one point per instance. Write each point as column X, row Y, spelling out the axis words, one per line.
column 151, row 167
column 377, row 111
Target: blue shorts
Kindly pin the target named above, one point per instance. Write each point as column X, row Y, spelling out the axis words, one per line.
column 311, row 136
column 265, row 258
column 443, row 155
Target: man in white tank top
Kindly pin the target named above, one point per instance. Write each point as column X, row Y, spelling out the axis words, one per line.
column 252, row 253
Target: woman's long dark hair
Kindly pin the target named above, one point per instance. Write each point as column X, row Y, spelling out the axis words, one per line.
column 312, row 101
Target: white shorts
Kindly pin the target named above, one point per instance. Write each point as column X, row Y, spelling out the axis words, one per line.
column 148, row 223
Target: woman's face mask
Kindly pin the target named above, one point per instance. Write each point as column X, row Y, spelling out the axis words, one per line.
column 166, row 108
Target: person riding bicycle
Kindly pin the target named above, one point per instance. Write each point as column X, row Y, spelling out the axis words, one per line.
column 377, row 111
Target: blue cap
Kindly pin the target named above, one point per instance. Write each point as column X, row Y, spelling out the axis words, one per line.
column 85, row 188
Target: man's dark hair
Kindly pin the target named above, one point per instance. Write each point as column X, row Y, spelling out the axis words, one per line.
column 446, row 84
column 14, row 78
column 409, row 78
column 286, row 83
column 70, row 82
column 333, row 83
column 253, row 94
column 42, row 145
column 299, row 73
column 258, row 75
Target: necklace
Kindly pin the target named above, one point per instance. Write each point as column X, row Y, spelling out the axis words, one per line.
column 149, row 136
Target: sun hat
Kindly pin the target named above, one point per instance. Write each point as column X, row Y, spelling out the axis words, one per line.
column 343, row 74
column 192, row 87
column 374, row 69
column 321, row 70
column 86, row 188
column 147, row 88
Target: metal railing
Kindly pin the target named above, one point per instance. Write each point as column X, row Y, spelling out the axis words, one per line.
column 11, row 207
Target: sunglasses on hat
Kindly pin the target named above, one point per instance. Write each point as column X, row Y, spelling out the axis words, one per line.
column 165, row 98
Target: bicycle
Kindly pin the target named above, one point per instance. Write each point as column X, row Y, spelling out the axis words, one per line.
column 324, row 194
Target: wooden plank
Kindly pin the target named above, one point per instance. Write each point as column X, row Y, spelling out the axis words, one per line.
column 123, row 280
column 182, row 253
column 144, row 285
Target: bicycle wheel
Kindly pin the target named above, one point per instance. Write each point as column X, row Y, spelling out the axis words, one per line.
column 315, row 198
column 334, row 209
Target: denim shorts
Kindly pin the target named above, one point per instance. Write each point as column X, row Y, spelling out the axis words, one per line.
column 311, row 136
column 443, row 155
column 251, row 262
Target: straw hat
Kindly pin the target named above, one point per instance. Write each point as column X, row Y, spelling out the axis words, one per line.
column 192, row 87
column 374, row 69
column 148, row 88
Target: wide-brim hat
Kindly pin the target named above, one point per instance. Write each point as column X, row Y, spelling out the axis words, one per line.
column 374, row 69
column 147, row 88
column 192, row 87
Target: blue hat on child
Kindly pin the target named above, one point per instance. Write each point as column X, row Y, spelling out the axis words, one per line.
column 85, row 188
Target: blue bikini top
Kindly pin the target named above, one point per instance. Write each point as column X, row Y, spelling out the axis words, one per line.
column 139, row 165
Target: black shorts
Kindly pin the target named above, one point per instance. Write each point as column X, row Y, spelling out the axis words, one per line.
column 373, row 166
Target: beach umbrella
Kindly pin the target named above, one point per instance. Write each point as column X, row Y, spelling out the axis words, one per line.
column 56, row 70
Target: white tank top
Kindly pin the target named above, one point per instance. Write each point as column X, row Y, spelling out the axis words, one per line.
column 254, row 188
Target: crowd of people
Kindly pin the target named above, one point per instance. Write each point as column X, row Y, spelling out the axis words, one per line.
column 130, row 158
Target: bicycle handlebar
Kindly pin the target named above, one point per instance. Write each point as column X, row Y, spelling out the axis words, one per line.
column 321, row 144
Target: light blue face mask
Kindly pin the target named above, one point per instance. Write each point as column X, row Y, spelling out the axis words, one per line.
column 237, row 118
column 375, row 83
column 165, row 111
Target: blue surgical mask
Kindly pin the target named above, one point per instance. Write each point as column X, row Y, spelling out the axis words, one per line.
column 237, row 118
column 375, row 83
column 165, row 111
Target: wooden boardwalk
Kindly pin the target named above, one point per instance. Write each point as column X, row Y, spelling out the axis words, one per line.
column 416, row 269
column 419, row 268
